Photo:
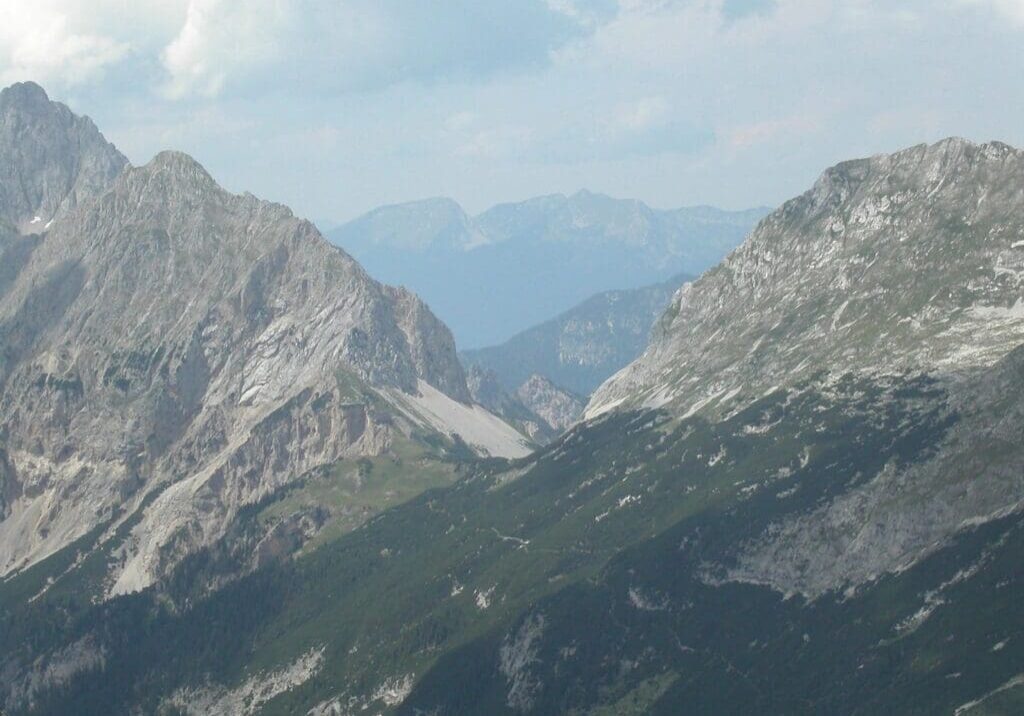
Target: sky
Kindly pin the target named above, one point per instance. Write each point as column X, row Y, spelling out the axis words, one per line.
column 337, row 106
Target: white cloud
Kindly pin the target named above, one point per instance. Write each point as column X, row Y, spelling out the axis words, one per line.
column 42, row 41
column 220, row 38
column 643, row 114
column 209, row 48
column 1012, row 10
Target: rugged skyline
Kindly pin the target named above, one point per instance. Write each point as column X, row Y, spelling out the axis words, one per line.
column 336, row 108
column 517, row 265
column 711, row 459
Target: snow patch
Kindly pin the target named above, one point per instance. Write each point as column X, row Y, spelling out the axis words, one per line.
column 1011, row 684
column 394, row 690
column 1000, row 312
column 639, row 600
column 717, row 457
column 839, row 314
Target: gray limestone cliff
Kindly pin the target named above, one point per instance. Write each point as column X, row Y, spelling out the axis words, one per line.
column 904, row 262
column 171, row 352
column 50, row 159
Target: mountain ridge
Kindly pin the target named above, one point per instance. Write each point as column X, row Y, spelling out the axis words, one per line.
column 492, row 275
column 831, row 284
column 806, row 496
column 79, row 160
column 171, row 352
column 583, row 346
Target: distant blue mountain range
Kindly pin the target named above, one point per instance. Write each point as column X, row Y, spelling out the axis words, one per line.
column 494, row 275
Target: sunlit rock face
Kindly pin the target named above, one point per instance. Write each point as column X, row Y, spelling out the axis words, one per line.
column 50, row 160
column 172, row 349
column 902, row 262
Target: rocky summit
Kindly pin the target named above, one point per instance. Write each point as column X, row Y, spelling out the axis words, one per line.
column 50, row 160
column 906, row 262
column 538, row 407
column 889, row 269
column 171, row 352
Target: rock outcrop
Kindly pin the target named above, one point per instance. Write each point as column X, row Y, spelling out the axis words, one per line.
column 559, row 408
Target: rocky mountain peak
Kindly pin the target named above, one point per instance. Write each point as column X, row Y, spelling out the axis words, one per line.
column 894, row 263
column 50, row 159
column 25, row 96
column 558, row 407
column 179, row 167
column 167, row 336
column 918, row 167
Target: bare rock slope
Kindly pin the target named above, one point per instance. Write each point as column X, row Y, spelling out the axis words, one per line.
column 50, row 159
column 176, row 352
column 890, row 268
column 902, row 262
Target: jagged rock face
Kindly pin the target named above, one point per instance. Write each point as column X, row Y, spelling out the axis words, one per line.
column 559, row 408
column 488, row 391
column 903, row 262
column 974, row 476
column 538, row 407
column 169, row 336
column 889, row 268
column 50, row 159
column 584, row 346
column 846, row 543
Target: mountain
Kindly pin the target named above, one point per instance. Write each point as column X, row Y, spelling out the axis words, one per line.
column 841, row 537
column 515, row 265
column 584, row 346
column 50, row 160
column 486, row 390
column 171, row 354
column 559, row 408
column 897, row 263
column 537, row 407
